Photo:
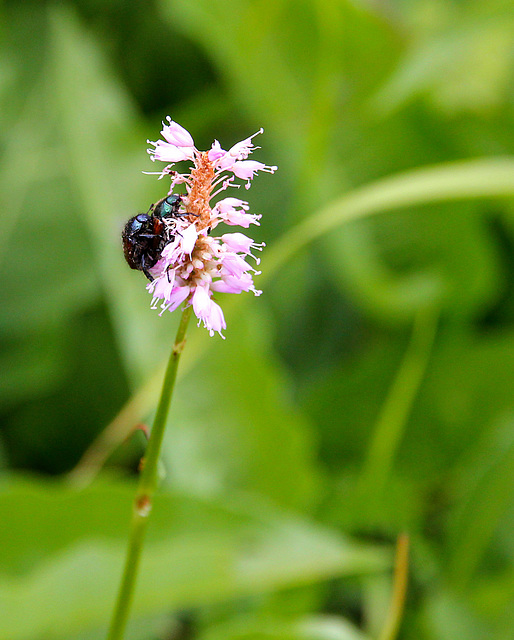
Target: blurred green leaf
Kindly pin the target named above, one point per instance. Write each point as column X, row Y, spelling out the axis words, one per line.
column 297, row 71
column 448, row 617
column 467, row 392
column 242, row 430
column 28, row 372
column 227, row 29
column 467, row 179
column 437, row 255
column 486, row 481
column 306, row 628
column 464, row 69
column 69, row 548
column 105, row 155
column 49, row 279
column 34, row 195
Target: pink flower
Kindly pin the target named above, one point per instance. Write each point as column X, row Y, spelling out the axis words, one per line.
column 231, row 284
column 177, row 135
column 177, row 297
column 246, row 169
column 179, row 144
column 235, row 265
column 238, row 242
column 162, row 287
column 194, row 264
column 207, row 311
column 216, row 152
column 189, row 238
column 228, row 213
column 166, row 152
column 235, row 158
column 239, row 151
column 227, row 205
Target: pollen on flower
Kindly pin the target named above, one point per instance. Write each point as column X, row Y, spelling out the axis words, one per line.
column 193, row 264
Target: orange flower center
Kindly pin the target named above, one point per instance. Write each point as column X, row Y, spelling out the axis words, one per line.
column 200, row 193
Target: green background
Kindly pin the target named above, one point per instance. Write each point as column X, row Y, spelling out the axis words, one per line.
column 368, row 392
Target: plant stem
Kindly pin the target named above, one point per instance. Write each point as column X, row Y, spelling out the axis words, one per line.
column 401, row 570
column 146, row 488
column 397, row 407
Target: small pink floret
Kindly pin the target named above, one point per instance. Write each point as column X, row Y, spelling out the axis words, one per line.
column 189, row 238
column 233, row 216
column 216, row 152
column 241, row 150
column 166, row 152
column 235, row 265
column 176, row 134
column 237, row 242
column 227, row 205
column 177, row 297
column 231, row 284
column 207, row 311
column 216, row 319
column 246, row 169
column 162, row 287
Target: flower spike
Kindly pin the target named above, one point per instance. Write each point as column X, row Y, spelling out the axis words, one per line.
column 194, row 265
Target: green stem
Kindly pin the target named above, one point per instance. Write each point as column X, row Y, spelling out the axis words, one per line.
column 396, row 410
column 146, row 489
column 401, row 570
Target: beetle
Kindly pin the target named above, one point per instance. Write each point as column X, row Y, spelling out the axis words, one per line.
column 146, row 234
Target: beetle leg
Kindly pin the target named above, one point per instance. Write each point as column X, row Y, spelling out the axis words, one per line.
column 145, row 270
column 184, row 215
